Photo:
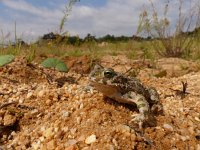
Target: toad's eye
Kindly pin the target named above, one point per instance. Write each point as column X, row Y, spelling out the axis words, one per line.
column 109, row 74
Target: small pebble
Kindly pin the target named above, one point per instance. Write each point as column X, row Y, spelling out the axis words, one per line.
column 72, row 147
column 123, row 128
column 48, row 101
column 78, row 119
column 65, row 114
column 115, row 142
column 197, row 119
column 198, row 147
column 168, row 127
column 72, row 142
column 41, row 93
column 81, row 106
column 51, row 145
column 111, row 147
column 184, row 138
column 29, row 95
column 35, row 145
column 21, row 100
column 85, row 148
column 48, row 133
column 73, row 131
column 90, row 139
column 9, row 120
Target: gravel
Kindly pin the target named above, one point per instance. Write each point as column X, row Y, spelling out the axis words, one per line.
column 41, row 115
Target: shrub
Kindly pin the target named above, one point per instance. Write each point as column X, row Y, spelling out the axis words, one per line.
column 167, row 40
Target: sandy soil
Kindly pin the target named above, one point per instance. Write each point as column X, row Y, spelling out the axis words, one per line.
column 45, row 109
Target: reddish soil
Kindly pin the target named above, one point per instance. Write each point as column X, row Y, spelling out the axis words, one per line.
column 45, row 109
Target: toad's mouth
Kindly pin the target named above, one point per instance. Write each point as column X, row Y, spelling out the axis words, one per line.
column 105, row 89
column 95, row 79
column 111, row 91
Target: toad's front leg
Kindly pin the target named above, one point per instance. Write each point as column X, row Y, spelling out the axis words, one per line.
column 142, row 105
column 154, row 100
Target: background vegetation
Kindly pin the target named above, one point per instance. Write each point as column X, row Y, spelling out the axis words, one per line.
column 155, row 38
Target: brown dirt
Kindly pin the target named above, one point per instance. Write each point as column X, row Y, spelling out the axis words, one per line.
column 78, row 64
column 38, row 112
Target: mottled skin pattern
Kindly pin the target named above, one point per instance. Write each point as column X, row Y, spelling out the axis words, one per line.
column 126, row 90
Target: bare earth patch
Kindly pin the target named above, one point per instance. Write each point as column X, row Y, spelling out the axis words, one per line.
column 38, row 112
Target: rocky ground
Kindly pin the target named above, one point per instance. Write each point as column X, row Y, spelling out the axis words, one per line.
column 45, row 109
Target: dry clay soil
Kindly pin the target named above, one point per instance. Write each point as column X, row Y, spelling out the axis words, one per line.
column 45, row 109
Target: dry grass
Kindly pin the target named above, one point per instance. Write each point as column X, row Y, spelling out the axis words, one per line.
column 132, row 49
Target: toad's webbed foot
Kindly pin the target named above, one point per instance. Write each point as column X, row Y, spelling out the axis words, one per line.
column 138, row 119
column 154, row 101
column 157, row 109
column 141, row 121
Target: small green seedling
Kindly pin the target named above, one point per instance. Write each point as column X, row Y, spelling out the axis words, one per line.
column 6, row 59
column 55, row 63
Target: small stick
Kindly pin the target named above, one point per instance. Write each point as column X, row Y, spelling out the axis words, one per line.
column 184, row 87
column 7, row 104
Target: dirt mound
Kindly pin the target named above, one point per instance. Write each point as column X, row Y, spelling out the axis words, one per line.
column 176, row 67
column 78, row 64
column 164, row 67
column 36, row 113
column 20, row 71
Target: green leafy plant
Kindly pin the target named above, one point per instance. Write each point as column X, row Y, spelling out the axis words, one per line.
column 5, row 59
column 55, row 63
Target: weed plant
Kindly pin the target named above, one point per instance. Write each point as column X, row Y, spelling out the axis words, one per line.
column 169, row 41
